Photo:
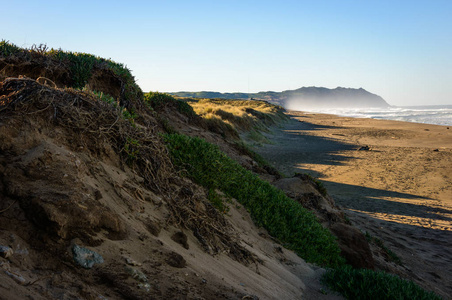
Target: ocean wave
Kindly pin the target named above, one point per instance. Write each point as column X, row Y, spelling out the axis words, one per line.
column 437, row 115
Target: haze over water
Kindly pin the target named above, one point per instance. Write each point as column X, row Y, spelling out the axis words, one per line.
column 429, row 114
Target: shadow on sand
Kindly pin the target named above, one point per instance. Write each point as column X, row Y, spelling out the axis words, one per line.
column 294, row 144
column 379, row 201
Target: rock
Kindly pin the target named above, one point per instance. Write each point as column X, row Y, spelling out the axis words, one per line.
column 85, row 257
column 145, row 286
column 137, row 274
column 354, row 246
column 131, row 262
column 6, row 251
column 153, row 227
column 181, row 238
column 98, row 195
column 176, row 260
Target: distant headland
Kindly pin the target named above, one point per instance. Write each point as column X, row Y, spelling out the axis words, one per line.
column 304, row 98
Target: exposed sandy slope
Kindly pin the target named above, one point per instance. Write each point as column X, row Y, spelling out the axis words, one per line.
column 400, row 191
column 62, row 183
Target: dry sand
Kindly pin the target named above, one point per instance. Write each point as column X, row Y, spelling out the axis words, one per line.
column 399, row 191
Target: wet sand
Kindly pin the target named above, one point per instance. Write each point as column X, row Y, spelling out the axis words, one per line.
column 400, row 190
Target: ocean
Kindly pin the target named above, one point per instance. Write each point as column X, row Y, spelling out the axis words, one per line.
column 430, row 114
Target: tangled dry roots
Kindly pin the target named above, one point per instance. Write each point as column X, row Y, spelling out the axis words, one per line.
column 94, row 123
column 208, row 225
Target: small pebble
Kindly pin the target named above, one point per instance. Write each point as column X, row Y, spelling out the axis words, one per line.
column 132, row 262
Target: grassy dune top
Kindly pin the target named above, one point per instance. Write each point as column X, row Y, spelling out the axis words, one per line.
column 240, row 114
column 70, row 69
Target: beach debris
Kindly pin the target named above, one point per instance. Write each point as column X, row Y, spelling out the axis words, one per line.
column 6, row 251
column 85, row 257
column 364, row 148
column 436, row 150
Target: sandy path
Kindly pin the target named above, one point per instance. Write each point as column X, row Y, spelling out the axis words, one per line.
column 400, row 191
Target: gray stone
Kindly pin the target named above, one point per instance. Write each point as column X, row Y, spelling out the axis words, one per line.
column 136, row 274
column 6, row 251
column 85, row 257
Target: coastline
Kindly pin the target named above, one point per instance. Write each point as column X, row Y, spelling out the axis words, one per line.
column 399, row 191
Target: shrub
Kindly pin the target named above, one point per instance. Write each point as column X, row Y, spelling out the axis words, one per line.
column 297, row 228
column 7, row 49
column 158, row 101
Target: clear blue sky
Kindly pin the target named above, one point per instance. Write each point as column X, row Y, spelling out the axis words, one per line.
column 400, row 50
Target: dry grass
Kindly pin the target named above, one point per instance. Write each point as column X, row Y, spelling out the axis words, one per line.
column 241, row 115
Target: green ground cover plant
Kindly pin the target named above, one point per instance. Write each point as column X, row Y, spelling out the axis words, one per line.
column 367, row 284
column 297, row 228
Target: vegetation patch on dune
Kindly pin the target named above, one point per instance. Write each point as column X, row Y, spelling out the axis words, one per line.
column 70, row 69
column 285, row 219
column 158, row 101
column 367, row 284
column 239, row 115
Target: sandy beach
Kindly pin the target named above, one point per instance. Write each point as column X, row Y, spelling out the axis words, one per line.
column 397, row 188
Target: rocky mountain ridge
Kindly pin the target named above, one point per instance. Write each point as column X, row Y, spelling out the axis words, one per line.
column 304, row 98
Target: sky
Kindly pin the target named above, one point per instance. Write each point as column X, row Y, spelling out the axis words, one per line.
column 400, row 50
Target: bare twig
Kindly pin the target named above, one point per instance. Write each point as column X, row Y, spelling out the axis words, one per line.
column 3, row 210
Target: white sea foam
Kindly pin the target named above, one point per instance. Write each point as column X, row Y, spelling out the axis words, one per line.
column 435, row 114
